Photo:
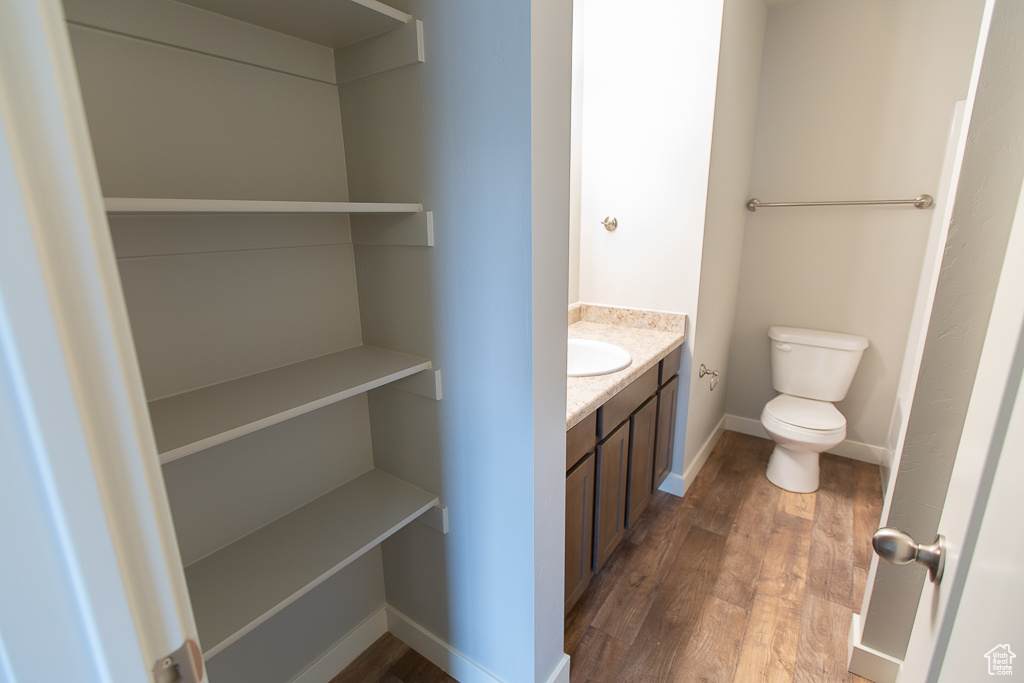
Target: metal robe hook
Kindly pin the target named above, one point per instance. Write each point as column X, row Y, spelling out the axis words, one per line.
column 714, row 375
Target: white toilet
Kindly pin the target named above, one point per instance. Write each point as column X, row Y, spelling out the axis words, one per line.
column 812, row 369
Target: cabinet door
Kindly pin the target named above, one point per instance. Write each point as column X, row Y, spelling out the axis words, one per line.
column 642, row 425
column 668, row 399
column 579, row 529
column 610, row 505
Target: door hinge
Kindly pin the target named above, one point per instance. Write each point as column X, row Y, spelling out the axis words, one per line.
column 184, row 665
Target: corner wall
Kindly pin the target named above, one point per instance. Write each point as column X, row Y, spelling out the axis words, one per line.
column 844, row 117
column 551, row 72
column 739, row 71
column 455, row 133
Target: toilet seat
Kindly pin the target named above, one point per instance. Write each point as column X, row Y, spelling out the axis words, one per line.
column 804, row 413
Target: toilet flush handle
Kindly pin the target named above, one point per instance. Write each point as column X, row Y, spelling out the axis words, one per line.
column 783, row 346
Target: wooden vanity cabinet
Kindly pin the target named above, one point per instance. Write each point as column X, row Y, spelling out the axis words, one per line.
column 615, row 458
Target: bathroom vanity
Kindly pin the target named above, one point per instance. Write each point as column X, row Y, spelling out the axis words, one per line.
column 620, row 431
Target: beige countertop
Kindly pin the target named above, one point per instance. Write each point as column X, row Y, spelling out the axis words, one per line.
column 648, row 336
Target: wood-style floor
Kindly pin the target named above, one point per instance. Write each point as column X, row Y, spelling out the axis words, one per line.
column 739, row 581
column 389, row 660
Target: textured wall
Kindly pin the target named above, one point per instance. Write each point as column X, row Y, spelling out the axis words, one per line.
column 986, row 200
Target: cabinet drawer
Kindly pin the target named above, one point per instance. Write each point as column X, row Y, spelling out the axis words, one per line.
column 669, row 365
column 620, row 406
column 580, row 440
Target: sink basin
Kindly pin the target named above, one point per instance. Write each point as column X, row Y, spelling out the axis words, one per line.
column 588, row 357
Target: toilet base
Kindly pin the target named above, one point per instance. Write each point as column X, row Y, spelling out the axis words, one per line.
column 794, row 470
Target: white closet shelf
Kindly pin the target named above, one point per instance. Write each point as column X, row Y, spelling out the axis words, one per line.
column 332, row 23
column 122, row 205
column 189, row 422
column 240, row 586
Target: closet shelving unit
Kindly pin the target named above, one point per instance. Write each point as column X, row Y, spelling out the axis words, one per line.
column 195, row 420
column 129, row 205
column 333, row 23
column 237, row 588
column 242, row 585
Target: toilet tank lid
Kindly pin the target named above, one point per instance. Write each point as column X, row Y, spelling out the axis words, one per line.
column 828, row 340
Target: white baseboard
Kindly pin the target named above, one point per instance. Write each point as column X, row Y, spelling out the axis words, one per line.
column 346, row 650
column 561, row 672
column 674, row 484
column 415, row 636
column 854, row 450
column 867, row 663
column 677, row 484
column 436, row 650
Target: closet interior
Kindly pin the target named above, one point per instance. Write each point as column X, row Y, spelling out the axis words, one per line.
column 217, row 127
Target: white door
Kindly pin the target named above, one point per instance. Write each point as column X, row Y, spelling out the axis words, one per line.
column 973, row 620
column 91, row 582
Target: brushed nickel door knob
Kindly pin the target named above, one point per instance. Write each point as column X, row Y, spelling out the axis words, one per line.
column 898, row 547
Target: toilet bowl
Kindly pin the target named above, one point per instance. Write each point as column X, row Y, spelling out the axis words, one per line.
column 802, row 429
column 811, row 368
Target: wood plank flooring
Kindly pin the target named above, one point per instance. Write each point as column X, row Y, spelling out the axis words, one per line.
column 389, row 660
column 738, row 582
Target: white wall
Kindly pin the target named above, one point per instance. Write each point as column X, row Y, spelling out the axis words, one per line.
column 646, row 108
column 575, row 151
column 551, row 69
column 739, row 71
column 72, row 469
column 95, row 565
column 855, row 103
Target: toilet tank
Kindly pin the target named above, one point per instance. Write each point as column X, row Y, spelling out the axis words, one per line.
column 813, row 363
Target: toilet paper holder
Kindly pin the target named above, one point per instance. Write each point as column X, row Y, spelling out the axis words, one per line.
column 714, row 375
